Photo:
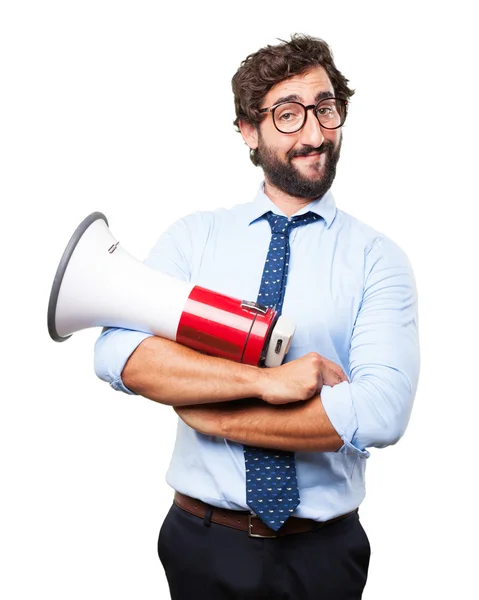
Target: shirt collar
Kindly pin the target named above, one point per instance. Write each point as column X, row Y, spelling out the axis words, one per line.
column 325, row 207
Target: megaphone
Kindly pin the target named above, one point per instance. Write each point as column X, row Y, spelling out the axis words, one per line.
column 99, row 284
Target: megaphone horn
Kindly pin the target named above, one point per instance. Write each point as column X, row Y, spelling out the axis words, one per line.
column 99, row 284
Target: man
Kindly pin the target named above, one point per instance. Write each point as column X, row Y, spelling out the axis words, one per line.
column 269, row 464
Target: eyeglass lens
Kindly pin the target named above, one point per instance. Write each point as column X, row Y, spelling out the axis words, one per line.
column 291, row 116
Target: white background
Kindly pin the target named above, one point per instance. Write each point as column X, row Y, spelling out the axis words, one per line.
column 104, row 106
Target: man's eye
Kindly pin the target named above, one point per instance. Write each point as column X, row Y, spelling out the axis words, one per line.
column 289, row 113
column 325, row 111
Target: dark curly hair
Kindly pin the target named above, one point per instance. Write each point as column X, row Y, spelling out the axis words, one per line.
column 270, row 65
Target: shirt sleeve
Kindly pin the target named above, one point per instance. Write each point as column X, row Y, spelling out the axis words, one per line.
column 373, row 408
column 170, row 255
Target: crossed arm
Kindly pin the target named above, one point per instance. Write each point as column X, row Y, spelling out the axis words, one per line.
column 277, row 408
column 299, row 426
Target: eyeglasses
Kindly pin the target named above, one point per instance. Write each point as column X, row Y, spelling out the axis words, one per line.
column 290, row 117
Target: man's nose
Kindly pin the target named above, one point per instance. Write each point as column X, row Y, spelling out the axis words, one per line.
column 311, row 134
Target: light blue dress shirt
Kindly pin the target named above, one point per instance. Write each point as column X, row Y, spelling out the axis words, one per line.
column 351, row 293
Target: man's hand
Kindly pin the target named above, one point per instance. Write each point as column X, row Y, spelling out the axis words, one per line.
column 300, row 379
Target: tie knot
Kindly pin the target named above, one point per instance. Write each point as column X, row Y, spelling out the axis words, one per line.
column 284, row 225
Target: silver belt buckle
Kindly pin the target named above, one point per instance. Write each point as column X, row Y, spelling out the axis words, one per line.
column 258, row 535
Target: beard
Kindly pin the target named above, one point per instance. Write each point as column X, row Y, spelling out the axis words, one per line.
column 287, row 178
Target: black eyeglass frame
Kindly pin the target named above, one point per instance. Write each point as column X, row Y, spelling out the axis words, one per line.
column 271, row 109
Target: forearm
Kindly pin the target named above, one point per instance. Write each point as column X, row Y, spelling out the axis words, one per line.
column 173, row 374
column 302, row 426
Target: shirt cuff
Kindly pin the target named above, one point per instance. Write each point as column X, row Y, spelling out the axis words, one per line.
column 112, row 350
column 338, row 405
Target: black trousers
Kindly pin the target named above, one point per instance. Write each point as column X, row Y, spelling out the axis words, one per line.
column 203, row 560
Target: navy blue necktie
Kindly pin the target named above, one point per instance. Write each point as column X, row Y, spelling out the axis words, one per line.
column 271, row 484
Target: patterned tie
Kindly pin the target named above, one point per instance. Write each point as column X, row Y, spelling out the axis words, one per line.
column 271, row 484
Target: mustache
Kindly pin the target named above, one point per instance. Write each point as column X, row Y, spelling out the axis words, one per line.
column 307, row 150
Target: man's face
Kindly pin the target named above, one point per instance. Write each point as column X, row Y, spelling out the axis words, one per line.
column 301, row 164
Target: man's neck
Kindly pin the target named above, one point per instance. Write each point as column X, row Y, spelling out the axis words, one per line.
column 288, row 204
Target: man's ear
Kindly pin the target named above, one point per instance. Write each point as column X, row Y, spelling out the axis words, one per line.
column 249, row 133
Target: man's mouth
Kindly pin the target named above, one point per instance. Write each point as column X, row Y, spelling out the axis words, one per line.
column 312, row 154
